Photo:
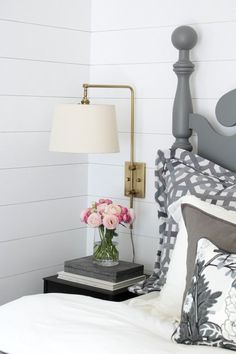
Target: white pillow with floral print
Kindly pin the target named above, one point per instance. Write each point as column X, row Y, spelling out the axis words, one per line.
column 209, row 309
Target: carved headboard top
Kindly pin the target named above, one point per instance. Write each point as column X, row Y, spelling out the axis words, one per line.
column 226, row 109
column 211, row 144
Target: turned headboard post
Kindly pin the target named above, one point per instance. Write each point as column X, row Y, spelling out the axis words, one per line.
column 183, row 38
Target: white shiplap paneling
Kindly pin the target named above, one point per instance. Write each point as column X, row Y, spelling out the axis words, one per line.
column 27, row 113
column 30, row 282
column 74, row 14
column 23, row 185
column 115, row 15
column 36, row 252
column 41, row 217
column 42, row 63
column 39, row 43
column 22, row 149
column 23, row 77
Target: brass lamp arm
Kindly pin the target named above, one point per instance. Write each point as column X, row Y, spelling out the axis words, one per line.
column 135, row 172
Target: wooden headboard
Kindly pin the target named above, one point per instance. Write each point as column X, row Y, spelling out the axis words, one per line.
column 211, row 144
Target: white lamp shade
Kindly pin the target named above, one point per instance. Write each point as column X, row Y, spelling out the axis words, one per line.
column 83, row 128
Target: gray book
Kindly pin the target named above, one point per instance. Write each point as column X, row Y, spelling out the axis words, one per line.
column 85, row 266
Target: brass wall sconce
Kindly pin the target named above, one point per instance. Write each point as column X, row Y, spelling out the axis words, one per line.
column 88, row 128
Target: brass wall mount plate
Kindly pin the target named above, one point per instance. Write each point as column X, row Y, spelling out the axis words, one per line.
column 138, row 174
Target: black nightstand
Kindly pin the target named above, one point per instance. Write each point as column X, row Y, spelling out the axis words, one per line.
column 54, row 285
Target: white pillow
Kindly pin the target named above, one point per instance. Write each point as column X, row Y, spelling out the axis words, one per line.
column 171, row 296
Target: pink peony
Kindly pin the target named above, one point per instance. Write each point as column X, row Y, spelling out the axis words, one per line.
column 94, row 220
column 113, row 209
column 101, row 208
column 84, row 215
column 124, row 210
column 129, row 217
column 132, row 215
column 120, row 218
column 108, row 201
column 110, row 221
column 101, row 201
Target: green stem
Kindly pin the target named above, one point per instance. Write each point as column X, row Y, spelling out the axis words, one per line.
column 106, row 250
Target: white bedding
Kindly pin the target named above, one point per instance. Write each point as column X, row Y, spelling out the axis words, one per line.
column 73, row 324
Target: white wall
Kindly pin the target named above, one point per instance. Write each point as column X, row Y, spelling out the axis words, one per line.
column 44, row 57
column 130, row 44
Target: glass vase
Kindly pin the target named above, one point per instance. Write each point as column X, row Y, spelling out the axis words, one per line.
column 105, row 251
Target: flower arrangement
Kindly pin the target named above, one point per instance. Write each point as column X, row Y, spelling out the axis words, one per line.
column 106, row 216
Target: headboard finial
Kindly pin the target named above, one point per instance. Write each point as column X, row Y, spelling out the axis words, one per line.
column 184, row 38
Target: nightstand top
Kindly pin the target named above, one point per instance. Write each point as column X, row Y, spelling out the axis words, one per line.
column 53, row 284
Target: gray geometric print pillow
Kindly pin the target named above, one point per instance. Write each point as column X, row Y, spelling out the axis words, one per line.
column 179, row 173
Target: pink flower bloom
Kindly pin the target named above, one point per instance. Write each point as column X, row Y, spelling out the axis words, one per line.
column 113, row 209
column 101, row 208
column 84, row 215
column 120, row 218
column 108, row 201
column 124, row 210
column 94, row 220
column 129, row 217
column 110, row 221
column 101, row 201
column 132, row 215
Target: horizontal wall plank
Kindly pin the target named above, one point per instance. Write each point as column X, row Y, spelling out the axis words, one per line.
column 32, row 149
column 28, row 113
column 25, row 284
column 117, row 14
column 66, row 13
column 108, row 180
column 159, row 81
column 145, row 250
column 33, row 184
column 33, row 219
column 41, row 252
column 115, row 47
column 43, row 43
column 19, row 77
column 146, row 146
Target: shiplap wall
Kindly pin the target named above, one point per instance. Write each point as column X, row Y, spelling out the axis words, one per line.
column 131, row 44
column 44, row 59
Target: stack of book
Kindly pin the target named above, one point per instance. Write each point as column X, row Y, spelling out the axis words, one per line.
column 84, row 271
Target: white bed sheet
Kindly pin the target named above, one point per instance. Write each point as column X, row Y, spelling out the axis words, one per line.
column 73, row 324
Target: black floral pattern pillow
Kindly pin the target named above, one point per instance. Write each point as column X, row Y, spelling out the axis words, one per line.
column 209, row 308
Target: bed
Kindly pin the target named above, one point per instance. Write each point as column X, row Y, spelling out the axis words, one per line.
column 153, row 323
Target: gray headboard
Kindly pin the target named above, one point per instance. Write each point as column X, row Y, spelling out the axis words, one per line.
column 211, row 144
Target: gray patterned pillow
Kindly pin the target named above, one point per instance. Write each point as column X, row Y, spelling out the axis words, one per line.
column 179, row 173
column 209, row 308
